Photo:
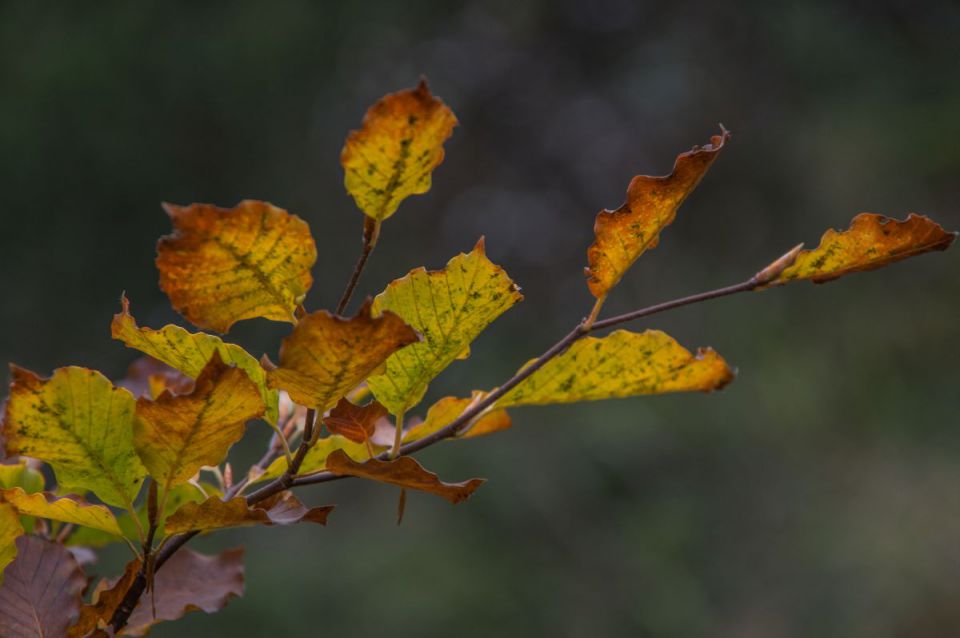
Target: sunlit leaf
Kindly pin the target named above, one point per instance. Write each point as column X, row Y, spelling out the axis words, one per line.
column 224, row 265
column 106, row 599
column 622, row 235
column 405, row 472
column 621, row 364
column 178, row 434
column 189, row 581
column 40, row 595
column 357, row 423
column 189, row 352
column 394, row 154
column 213, row 513
column 872, row 241
column 326, row 356
column 446, row 410
column 449, row 307
column 65, row 509
column 82, row 426
column 316, row 458
column 10, row 531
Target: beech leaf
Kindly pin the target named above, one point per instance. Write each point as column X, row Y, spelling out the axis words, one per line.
column 872, row 241
column 446, row 410
column 66, row 509
column 106, row 598
column 621, row 364
column 622, row 235
column 20, row 474
column 326, row 356
column 189, row 352
column 449, row 307
column 316, row 457
column 224, row 265
column 176, row 435
column 214, row 513
column 10, row 531
column 79, row 424
column 40, row 595
column 357, row 423
column 405, row 472
column 393, row 155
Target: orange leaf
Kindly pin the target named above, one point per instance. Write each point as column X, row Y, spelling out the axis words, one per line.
column 622, row 235
column 178, row 434
column 355, row 422
column 213, row 513
column 106, row 598
column 40, row 595
column 872, row 241
column 223, row 265
column 405, row 472
column 446, row 410
column 394, row 154
column 326, row 356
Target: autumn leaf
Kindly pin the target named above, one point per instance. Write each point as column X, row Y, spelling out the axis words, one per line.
column 20, row 474
column 224, row 265
column 178, row 434
column 394, row 154
column 189, row 581
column 316, row 457
column 357, row 423
column 10, row 531
column 621, row 364
column 405, row 472
column 105, row 601
column 446, row 410
column 189, row 352
column 214, row 513
column 66, row 509
column 326, row 356
column 449, row 307
column 40, row 595
column 622, row 235
column 79, row 424
column 872, row 241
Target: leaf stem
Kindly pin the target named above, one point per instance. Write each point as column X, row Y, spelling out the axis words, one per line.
column 371, row 233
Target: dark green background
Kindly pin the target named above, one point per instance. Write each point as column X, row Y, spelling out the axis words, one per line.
column 818, row 495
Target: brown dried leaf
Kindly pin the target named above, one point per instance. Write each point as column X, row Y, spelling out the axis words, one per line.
column 106, row 598
column 405, row 472
column 357, row 423
column 213, row 513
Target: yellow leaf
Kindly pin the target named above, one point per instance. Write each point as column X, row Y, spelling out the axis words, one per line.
column 872, row 241
column 282, row 509
column 79, row 424
column 622, row 364
column 449, row 307
column 326, row 356
column 224, row 265
column 189, row 352
column 394, row 154
column 316, row 457
column 21, row 475
column 10, row 530
column 66, row 509
column 622, row 235
column 446, row 410
column 178, row 434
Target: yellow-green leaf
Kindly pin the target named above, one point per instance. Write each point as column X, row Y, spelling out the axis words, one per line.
column 281, row 509
column 446, row 410
column 449, row 307
column 872, row 241
column 189, row 352
column 176, row 435
column 316, row 457
column 622, row 364
column 394, row 154
column 10, row 530
column 79, row 424
column 65, row 509
column 224, row 265
column 20, row 474
column 326, row 356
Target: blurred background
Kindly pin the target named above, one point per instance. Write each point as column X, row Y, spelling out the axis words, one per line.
column 815, row 496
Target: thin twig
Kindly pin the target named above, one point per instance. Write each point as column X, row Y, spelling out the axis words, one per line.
column 371, row 232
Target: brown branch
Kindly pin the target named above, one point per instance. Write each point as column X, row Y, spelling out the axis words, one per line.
column 371, row 232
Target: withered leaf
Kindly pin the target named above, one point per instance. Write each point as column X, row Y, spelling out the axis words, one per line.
column 404, row 471
column 40, row 595
column 450, row 308
column 446, row 410
column 178, row 434
column 326, row 356
column 79, row 424
column 107, row 597
column 621, row 364
column 394, row 154
column 357, row 423
column 622, row 235
column 67, row 509
column 224, row 265
column 214, row 513
column 872, row 241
